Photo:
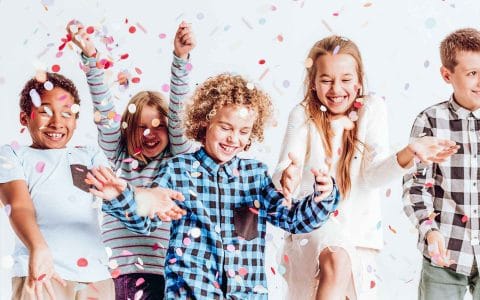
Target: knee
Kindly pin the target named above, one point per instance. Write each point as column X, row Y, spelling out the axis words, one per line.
column 335, row 265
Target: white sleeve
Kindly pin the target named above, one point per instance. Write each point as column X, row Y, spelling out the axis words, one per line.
column 295, row 141
column 10, row 165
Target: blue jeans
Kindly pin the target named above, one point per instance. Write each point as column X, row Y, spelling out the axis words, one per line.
column 437, row 283
column 153, row 287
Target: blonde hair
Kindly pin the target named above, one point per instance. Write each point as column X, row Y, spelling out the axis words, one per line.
column 331, row 45
column 220, row 91
column 466, row 39
column 131, row 138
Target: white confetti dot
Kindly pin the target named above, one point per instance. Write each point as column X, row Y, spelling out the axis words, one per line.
column 195, row 232
column 256, row 203
column 124, row 125
column 109, row 252
column 196, row 164
column 308, row 62
column 179, row 251
column 146, row 132
column 250, row 86
column 75, row 108
column 217, row 228
column 134, row 164
column 195, row 174
column 303, row 242
column 36, row 100
column 155, row 122
column 48, row 85
column 113, row 264
column 132, row 108
column 323, row 108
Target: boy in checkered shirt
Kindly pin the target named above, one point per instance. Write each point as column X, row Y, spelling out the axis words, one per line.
column 217, row 249
column 442, row 200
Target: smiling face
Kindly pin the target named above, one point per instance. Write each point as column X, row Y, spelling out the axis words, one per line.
column 51, row 125
column 228, row 132
column 153, row 131
column 465, row 79
column 336, row 82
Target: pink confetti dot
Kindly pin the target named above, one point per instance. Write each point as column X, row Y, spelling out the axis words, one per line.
column 231, row 248
column 40, row 166
column 242, row 271
column 59, row 54
column 139, row 282
column 82, row 262
column 162, row 35
column 188, row 66
column 138, row 70
column 136, row 79
column 55, row 68
column 90, row 29
column 15, row 145
column 172, row 261
column 231, row 273
column 166, row 87
column 187, row 241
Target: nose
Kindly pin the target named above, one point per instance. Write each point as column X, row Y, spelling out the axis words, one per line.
column 55, row 121
column 233, row 137
column 337, row 86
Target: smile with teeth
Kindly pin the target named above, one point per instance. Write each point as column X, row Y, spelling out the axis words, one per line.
column 54, row 135
column 337, row 99
column 227, row 149
column 151, row 144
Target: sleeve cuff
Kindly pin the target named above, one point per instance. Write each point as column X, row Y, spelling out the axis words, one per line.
column 88, row 61
column 125, row 202
column 178, row 60
column 425, row 226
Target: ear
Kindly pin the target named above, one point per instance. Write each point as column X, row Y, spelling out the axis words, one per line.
column 23, row 118
column 445, row 74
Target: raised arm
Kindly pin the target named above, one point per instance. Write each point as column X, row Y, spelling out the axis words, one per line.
column 105, row 115
column 179, row 88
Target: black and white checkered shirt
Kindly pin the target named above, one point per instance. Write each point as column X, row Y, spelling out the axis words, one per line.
column 444, row 196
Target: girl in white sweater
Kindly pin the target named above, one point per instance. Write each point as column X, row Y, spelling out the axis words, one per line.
column 339, row 128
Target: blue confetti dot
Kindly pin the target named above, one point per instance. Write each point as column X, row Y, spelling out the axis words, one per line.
column 286, row 83
column 200, row 16
column 48, row 2
column 226, row 28
column 407, row 85
column 430, row 23
column 262, row 21
column 426, row 64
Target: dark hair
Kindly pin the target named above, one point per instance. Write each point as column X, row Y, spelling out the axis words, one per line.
column 36, row 83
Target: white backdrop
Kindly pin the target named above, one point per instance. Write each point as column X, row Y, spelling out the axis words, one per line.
column 398, row 39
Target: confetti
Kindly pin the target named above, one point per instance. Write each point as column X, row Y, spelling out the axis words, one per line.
column 195, row 232
column 8, row 210
column 464, row 219
column 336, row 49
column 135, row 164
column 286, row 83
column 141, row 27
column 353, row 115
column 231, row 248
column 115, row 273
column 308, row 62
column 139, row 281
column 82, row 262
column 166, row 87
column 75, row 108
column 280, row 38
column 187, row 241
column 264, row 74
column 426, row 64
column 392, row 229
column 285, row 258
column 124, row 125
column 260, row 289
column 336, row 14
column 372, row 284
column 126, row 253
column 231, row 272
column 262, row 21
column 242, row 271
column 218, row 228
column 200, row 16
column 138, row 70
column 323, row 108
column 135, row 79
column 138, row 295
column 113, row 264
column 368, row 4
column 124, row 56
column 196, row 164
column 40, row 166
column 388, row 192
column 179, row 251
column 195, row 174
column 36, row 100
column 162, row 35
column 146, row 132
column 55, row 68
column 407, row 85
column 250, row 85
column 281, row 269
column 48, row 85
column 132, row 29
column 261, row 62
column 256, row 203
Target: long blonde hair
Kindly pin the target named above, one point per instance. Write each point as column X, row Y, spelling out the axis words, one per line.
column 331, row 45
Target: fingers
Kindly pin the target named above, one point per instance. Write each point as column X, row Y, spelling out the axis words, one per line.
column 39, row 289
column 92, row 180
column 99, row 175
column 97, row 193
column 174, row 195
column 49, row 289
column 58, row 279
column 294, row 159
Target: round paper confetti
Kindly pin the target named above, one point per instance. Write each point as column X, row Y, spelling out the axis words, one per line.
column 323, row 108
column 261, row 62
column 135, row 79
column 155, row 122
column 48, row 85
column 280, row 38
column 36, row 100
column 115, row 273
column 256, row 203
column 59, row 54
column 40, row 166
column 195, row 174
column 162, row 35
column 41, row 76
column 188, row 66
column 262, row 21
column 132, row 29
column 303, row 242
column 82, row 262
column 165, row 88
column 55, row 68
column 353, row 116
column 336, row 49
column 231, row 272
column 308, row 62
column 195, row 232
column 146, row 132
column 464, row 219
column 187, row 241
column 426, row 64
column 286, row 83
column 134, row 164
column 231, row 248
column 139, row 282
column 113, row 264
column 389, row 192
column 138, row 295
column 132, row 108
column 196, row 164
column 124, row 125
column 242, row 271
column 179, row 251
column 250, row 86
column 75, row 108
column 200, row 16
column 217, row 228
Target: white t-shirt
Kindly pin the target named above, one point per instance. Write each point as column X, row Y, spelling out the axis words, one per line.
column 67, row 215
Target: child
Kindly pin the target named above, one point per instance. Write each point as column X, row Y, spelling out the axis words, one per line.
column 442, row 199
column 217, row 250
column 60, row 255
column 148, row 132
column 332, row 262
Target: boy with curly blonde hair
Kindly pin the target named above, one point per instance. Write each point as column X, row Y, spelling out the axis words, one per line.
column 217, row 249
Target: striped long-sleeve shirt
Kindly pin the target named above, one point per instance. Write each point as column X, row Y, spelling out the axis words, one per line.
column 445, row 196
column 136, row 253
column 217, row 250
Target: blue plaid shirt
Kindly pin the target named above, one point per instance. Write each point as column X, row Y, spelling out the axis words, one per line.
column 217, row 249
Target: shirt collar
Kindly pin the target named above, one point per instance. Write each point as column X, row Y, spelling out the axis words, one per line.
column 462, row 112
column 212, row 167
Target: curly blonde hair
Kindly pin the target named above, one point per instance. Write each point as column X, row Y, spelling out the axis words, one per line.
column 220, row 91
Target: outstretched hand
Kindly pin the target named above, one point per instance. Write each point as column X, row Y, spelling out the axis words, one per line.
column 107, row 185
column 290, row 177
column 323, row 185
column 430, row 149
column 159, row 201
column 41, row 272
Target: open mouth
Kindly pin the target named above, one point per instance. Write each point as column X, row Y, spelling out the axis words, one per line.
column 337, row 99
column 54, row 136
column 229, row 150
column 150, row 144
